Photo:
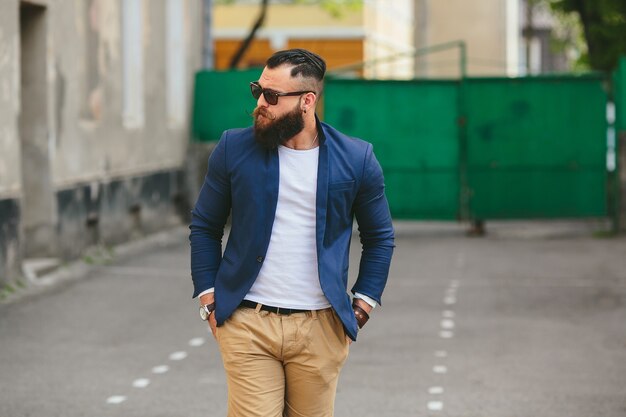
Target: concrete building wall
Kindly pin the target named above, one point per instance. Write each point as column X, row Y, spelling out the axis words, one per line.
column 105, row 159
column 389, row 32
column 10, row 167
column 485, row 27
column 92, row 139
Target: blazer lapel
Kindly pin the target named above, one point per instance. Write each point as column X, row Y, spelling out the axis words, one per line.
column 271, row 189
column 322, row 189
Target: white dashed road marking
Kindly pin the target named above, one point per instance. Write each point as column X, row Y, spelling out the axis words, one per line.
column 435, row 390
column 449, row 300
column 141, row 383
column 435, row 405
column 197, row 341
column 440, row 369
column 178, row 356
column 446, row 332
column 161, row 369
column 447, row 324
column 116, row 399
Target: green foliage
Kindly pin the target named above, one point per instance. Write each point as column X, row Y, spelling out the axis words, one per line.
column 336, row 8
column 6, row 290
column 99, row 255
column 604, row 28
column 567, row 38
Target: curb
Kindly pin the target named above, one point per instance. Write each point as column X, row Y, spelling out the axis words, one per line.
column 91, row 259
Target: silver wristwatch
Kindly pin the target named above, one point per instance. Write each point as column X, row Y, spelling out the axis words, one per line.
column 206, row 311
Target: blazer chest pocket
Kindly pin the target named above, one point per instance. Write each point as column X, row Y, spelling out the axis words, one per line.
column 339, row 215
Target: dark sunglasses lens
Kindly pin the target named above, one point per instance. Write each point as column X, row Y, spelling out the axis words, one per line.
column 256, row 90
column 270, row 97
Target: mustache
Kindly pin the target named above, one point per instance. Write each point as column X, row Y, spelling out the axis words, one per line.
column 262, row 111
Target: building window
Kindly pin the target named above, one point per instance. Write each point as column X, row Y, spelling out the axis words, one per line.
column 132, row 67
column 175, row 64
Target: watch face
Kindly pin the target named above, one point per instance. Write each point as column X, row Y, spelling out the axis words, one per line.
column 203, row 313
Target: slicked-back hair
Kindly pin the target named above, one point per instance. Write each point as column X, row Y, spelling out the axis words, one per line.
column 305, row 64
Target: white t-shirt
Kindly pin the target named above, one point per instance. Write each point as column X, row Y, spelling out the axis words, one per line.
column 289, row 275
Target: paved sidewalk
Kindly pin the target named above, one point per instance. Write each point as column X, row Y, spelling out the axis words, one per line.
column 529, row 320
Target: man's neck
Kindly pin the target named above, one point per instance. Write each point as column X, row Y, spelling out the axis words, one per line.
column 308, row 138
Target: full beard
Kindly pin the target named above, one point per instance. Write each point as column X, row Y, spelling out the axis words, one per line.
column 276, row 131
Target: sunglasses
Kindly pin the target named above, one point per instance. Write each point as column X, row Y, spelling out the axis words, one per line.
column 271, row 96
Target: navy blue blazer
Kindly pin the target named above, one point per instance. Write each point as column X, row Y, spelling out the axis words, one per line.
column 242, row 181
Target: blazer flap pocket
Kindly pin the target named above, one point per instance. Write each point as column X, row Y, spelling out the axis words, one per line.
column 341, row 185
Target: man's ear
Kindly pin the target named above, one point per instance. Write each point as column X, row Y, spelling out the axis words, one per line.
column 310, row 100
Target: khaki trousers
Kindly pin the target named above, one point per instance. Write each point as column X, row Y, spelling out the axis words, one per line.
column 282, row 366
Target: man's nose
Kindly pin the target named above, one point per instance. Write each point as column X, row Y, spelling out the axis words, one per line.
column 261, row 102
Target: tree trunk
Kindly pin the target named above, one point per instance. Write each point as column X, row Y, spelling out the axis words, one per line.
column 234, row 63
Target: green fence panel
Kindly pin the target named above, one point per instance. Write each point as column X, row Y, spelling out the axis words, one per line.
column 413, row 127
column 536, row 147
column 222, row 101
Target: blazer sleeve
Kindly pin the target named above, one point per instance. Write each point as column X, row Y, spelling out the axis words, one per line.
column 208, row 219
column 376, row 232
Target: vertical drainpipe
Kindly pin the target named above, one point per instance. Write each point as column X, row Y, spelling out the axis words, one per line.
column 420, row 37
column 512, row 37
column 207, row 38
column 464, row 211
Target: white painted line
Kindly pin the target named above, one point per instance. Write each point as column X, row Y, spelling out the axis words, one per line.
column 454, row 283
column 161, row 369
column 441, row 353
column 435, row 390
column 116, row 399
column 447, row 324
column 196, row 341
column 446, row 334
column 141, row 383
column 435, row 405
column 178, row 356
column 449, row 314
column 440, row 369
column 449, row 300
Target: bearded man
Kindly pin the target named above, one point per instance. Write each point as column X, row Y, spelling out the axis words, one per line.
column 276, row 301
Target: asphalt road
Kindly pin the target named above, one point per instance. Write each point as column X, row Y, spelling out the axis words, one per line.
column 527, row 321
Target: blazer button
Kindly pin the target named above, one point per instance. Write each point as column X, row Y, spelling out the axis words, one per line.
column 259, row 259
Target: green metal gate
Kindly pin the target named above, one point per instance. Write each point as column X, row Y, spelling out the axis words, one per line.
column 222, row 101
column 496, row 148
column 536, row 147
column 413, row 126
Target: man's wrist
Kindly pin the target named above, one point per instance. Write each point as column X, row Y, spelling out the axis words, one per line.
column 370, row 301
column 208, row 298
column 360, row 314
column 363, row 304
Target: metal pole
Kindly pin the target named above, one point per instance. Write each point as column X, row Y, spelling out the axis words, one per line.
column 421, row 19
column 207, row 38
column 463, row 59
column 418, row 52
